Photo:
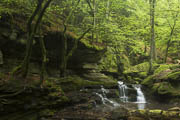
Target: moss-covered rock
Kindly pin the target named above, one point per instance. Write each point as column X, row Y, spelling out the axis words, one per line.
column 148, row 81
column 165, row 81
column 174, row 76
column 20, row 102
column 139, row 71
column 153, row 115
column 163, row 88
column 162, row 68
column 74, row 83
column 143, row 67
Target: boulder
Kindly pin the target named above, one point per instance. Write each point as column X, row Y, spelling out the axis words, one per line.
column 137, row 73
column 153, row 115
column 165, row 81
column 174, row 109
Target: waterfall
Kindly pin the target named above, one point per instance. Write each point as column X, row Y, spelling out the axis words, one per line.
column 123, row 91
column 104, row 98
column 140, row 97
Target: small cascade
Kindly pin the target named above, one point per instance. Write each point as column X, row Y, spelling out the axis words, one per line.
column 140, row 97
column 104, row 98
column 123, row 91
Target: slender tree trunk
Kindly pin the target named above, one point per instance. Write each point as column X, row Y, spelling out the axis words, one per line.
column 107, row 10
column 152, row 45
column 168, row 45
column 25, row 65
column 44, row 59
column 153, row 33
column 23, row 68
column 63, row 61
column 63, row 58
column 94, row 20
column 170, row 36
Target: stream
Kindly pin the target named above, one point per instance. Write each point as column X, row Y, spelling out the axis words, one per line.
column 109, row 103
column 124, row 99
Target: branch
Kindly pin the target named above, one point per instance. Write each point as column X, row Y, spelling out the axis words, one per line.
column 76, row 43
column 169, row 23
column 33, row 15
column 70, row 14
column 89, row 5
column 41, row 15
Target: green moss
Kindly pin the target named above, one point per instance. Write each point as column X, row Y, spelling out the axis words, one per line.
column 93, row 46
column 76, row 83
column 138, row 80
column 174, row 76
column 163, row 88
column 125, row 61
column 155, row 111
column 155, row 87
column 142, row 112
column 149, row 81
column 161, row 68
column 143, row 67
column 143, row 74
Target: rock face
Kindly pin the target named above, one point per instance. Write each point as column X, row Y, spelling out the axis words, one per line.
column 13, row 44
column 165, row 81
column 138, row 72
column 1, row 58
column 31, row 103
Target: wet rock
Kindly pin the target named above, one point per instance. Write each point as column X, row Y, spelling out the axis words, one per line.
column 174, row 109
column 153, row 115
column 13, row 35
column 1, row 58
column 118, row 114
column 164, row 82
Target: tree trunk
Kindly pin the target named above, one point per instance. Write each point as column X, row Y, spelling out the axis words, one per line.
column 107, row 10
column 170, row 37
column 63, row 58
column 63, row 61
column 23, row 68
column 94, row 20
column 152, row 45
column 44, row 60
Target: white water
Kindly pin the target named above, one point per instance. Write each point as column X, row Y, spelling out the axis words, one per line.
column 104, row 99
column 123, row 91
column 140, row 97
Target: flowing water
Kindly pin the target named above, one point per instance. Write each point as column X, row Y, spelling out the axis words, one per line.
column 122, row 91
column 104, row 98
column 123, row 96
column 141, row 101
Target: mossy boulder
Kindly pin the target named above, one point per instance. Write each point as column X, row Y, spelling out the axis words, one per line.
column 174, row 77
column 163, row 88
column 139, row 71
column 32, row 100
column 165, row 81
column 143, row 67
column 75, row 83
column 148, row 81
column 153, row 115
